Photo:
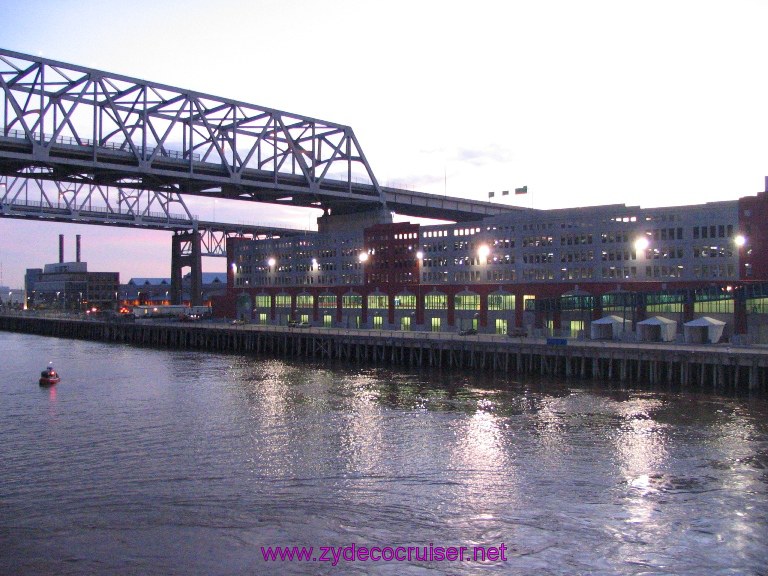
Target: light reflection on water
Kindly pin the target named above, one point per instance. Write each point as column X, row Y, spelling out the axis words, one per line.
column 155, row 462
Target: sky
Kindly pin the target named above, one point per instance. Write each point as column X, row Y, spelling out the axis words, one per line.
column 649, row 103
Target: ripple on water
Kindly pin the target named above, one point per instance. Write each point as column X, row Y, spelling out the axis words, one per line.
column 160, row 462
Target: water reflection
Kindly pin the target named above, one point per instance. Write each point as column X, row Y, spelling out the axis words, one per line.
column 363, row 446
column 50, row 391
column 640, row 445
column 182, row 451
column 483, row 460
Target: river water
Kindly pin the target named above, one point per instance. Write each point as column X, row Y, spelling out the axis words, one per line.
column 151, row 462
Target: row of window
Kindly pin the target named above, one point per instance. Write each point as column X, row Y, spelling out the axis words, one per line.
column 540, row 258
column 398, row 236
column 658, row 234
column 506, row 302
column 713, row 231
column 576, row 274
column 434, row 301
column 715, row 271
column 391, row 277
column 625, row 272
column 571, row 240
column 587, row 256
column 663, row 271
column 497, row 275
column 666, row 234
column 665, row 252
column 536, row 241
column 712, row 252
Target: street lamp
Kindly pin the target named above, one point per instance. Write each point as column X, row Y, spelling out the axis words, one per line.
column 641, row 243
column 419, row 265
column 740, row 240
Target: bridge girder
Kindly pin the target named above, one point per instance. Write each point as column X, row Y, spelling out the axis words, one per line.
column 74, row 124
column 69, row 123
column 81, row 145
column 34, row 198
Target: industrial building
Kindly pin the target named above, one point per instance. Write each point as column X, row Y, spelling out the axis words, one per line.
column 158, row 291
column 523, row 270
column 69, row 285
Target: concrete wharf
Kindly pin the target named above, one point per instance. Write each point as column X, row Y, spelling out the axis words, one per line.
column 720, row 368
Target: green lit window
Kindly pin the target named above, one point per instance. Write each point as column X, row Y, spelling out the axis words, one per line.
column 576, row 302
column 262, row 301
column 756, row 305
column 326, row 301
column 720, row 306
column 405, row 302
column 351, row 301
column 501, row 302
column 283, row 300
column 436, row 301
column 467, row 301
column 304, row 301
column 664, row 303
column 378, row 301
column 617, row 301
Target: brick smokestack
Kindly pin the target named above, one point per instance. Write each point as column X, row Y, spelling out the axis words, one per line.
column 77, row 248
column 61, row 248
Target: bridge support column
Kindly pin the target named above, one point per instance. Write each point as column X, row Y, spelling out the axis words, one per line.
column 185, row 251
column 740, row 311
column 356, row 220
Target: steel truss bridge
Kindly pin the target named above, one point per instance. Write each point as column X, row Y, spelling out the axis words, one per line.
column 38, row 199
column 73, row 124
column 83, row 145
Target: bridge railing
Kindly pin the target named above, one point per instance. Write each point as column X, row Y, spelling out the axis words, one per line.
column 87, row 142
column 101, row 210
column 145, row 153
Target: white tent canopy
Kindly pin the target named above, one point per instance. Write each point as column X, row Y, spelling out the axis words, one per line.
column 608, row 327
column 703, row 330
column 657, row 329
